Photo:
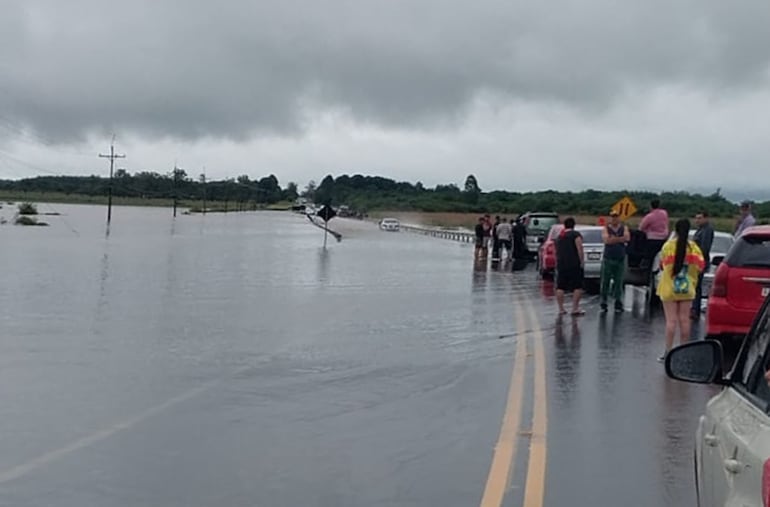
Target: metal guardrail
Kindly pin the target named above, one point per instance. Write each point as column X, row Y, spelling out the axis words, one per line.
column 463, row 237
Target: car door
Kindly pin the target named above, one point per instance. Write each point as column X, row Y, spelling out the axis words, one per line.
column 735, row 431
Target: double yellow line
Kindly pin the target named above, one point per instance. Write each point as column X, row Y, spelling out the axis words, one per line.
column 501, row 469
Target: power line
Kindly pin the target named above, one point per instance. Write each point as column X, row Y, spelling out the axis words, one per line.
column 112, row 156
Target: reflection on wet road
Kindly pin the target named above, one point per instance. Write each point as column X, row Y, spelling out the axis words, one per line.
column 229, row 360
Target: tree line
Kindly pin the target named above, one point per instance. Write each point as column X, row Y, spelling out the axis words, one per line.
column 370, row 193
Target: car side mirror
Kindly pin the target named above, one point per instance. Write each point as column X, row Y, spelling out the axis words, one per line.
column 717, row 260
column 699, row 362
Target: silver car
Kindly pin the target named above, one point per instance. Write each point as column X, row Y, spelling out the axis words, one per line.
column 593, row 249
column 732, row 440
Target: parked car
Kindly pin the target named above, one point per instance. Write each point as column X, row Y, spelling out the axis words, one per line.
column 390, row 224
column 546, row 258
column 732, row 439
column 593, row 248
column 723, row 241
column 538, row 223
column 740, row 284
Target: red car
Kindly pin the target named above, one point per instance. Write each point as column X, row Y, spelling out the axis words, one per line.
column 741, row 284
column 546, row 258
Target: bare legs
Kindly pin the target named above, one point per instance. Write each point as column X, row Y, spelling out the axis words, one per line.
column 677, row 317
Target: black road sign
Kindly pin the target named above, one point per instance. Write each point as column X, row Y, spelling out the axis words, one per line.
column 327, row 213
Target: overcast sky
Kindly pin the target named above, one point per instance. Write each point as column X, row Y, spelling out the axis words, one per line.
column 526, row 95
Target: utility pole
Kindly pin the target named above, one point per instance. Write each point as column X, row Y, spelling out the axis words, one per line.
column 174, row 180
column 203, row 182
column 112, row 156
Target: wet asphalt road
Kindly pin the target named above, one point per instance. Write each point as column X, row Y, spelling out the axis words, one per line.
column 229, row 361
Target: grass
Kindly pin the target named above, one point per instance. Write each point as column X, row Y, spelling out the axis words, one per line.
column 193, row 205
column 27, row 208
column 28, row 220
column 469, row 220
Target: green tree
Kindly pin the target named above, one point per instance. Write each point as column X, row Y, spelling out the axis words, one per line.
column 472, row 191
column 291, row 192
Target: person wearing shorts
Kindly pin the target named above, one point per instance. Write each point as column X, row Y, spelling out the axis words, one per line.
column 570, row 262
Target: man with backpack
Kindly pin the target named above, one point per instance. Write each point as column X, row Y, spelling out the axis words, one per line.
column 615, row 236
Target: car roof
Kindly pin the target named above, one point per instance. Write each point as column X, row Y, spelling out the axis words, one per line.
column 757, row 230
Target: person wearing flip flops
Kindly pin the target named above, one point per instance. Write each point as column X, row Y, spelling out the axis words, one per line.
column 681, row 262
column 570, row 262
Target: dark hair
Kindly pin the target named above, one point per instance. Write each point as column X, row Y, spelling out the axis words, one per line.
column 703, row 212
column 682, row 229
column 655, row 203
column 569, row 223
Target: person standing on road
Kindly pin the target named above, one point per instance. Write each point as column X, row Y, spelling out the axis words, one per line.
column 495, row 240
column 681, row 262
column 479, row 252
column 704, row 238
column 570, row 262
column 520, row 239
column 505, row 237
column 655, row 226
column 615, row 236
column 746, row 220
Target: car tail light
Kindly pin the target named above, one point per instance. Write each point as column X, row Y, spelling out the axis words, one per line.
column 719, row 286
column 766, row 484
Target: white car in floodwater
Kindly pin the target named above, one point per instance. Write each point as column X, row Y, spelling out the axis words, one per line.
column 732, row 439
column 390, row 224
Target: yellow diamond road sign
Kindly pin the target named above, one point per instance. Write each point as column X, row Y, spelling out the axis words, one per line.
column 625, row 207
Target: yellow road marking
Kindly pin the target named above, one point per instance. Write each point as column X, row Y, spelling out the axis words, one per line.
column 534, row 492
column 505, row 449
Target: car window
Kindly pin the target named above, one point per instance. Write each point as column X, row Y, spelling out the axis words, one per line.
column 750, row 251
column 756, row 348
column 721, row 244
column 591, row 235
column 754, row 375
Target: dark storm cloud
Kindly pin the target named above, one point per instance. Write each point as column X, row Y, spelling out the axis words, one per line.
column 193, row 69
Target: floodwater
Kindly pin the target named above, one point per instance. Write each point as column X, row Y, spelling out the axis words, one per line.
column 230, row 360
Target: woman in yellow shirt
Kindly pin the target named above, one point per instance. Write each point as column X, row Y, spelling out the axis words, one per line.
column 681, row 261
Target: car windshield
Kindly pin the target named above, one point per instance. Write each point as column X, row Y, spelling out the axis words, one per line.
column 541, row 223
column 750, row 251
column 591, row 235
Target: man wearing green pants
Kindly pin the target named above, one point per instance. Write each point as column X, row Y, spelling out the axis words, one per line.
column 615, row 236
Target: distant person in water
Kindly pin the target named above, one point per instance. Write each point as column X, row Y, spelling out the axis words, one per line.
column 520, row 240
column 495, row 240
column 481, row 248
column 505, row 239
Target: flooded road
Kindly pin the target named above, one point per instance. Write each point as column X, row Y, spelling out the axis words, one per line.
column 229, row 360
